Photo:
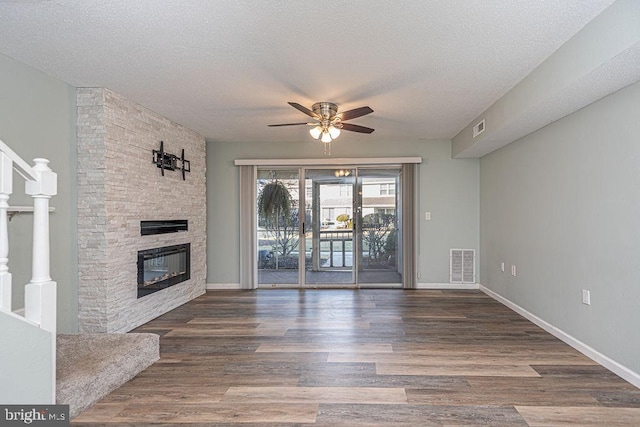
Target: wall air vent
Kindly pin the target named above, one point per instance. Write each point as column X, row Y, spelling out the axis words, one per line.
column 462, row 266
column 478, row 128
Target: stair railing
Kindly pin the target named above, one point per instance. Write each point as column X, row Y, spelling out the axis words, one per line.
column 40, row 301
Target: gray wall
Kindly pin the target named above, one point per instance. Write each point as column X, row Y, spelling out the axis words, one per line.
column 448, row 189
column 38, row 119
column 600, row 59
column 562, row 205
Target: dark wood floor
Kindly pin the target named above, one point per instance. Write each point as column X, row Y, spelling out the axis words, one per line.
column 363, row 357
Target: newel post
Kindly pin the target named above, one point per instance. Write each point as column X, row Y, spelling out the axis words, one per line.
column 6, row 188
column 40, row 293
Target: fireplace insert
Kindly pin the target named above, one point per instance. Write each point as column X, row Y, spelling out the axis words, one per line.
column 160, row 268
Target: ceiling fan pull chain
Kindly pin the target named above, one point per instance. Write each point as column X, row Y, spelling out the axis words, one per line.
column 327, row 148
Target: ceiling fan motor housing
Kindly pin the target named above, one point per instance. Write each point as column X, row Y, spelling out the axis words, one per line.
column 326, row 110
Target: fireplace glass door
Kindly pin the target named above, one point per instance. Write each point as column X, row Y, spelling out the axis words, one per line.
column 160, row 268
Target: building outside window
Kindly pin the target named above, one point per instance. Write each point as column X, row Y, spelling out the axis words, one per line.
column 387, row 189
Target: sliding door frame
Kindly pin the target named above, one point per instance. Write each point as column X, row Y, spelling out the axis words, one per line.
column 248, row 223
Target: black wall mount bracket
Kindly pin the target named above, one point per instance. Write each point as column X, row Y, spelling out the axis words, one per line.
column 168, row 161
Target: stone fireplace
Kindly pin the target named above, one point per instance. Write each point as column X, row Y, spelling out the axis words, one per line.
column 119, row 190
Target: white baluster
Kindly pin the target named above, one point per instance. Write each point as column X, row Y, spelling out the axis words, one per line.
column 6, row 188
column 40, row 293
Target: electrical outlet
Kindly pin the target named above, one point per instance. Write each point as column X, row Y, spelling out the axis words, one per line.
column 427, row 216
column 502, row 266
column 586, row 297
column 419, row 275
column 514, row 272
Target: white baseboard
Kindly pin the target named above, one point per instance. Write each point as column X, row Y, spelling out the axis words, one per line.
column 278, row 286
column 447, row 286
column 236, row 286
column 615, row 367
column 222, row 286
column 380, row 286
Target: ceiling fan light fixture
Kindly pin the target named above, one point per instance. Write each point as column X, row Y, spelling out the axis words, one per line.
column 326, row 137
column 315, row 132
column 334, row 132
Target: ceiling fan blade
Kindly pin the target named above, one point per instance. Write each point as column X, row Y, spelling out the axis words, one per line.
column 291, row 124
column 356, row 128
column 356, row 112
column 304, row 110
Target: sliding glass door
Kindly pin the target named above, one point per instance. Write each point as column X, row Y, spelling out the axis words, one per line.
column 278, row 227
column 341, row 225
column 379, row 226
column 330, row 227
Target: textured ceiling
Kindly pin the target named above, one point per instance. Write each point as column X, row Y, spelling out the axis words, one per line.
column 226, row 68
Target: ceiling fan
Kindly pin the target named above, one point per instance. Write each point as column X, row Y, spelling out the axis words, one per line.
column 329, row 122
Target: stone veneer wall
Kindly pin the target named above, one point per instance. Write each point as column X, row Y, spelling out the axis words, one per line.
column 118, row 186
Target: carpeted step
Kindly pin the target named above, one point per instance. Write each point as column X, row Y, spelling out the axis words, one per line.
column 90, row 366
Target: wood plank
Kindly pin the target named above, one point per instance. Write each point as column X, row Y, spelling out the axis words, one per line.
column 457, row 370
column 329, row 325
column 324, row 348
column 548, row 416
column 187, row 394
column 497, row 397
column 217, row 412
column 359, row 379
column 418, row 415
column 347, row 395
column 510, row 347
column 217, row 380
column 228, row 332
column 101, row 412
column 457, row 359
